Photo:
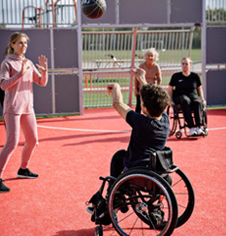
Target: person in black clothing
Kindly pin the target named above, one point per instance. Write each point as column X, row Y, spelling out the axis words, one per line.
column 183, row 89
column 149, row 131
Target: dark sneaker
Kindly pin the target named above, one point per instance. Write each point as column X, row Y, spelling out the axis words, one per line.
column 90, row 210
column 3, row 188
column 26, row 174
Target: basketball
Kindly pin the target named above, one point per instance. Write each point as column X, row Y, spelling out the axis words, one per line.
column 93, row 8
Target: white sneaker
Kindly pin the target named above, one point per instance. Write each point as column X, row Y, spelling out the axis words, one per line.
column 192, row 132
column 199, row 131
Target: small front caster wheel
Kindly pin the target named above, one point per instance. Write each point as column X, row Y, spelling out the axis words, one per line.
column 99, row 231
column 178, row 134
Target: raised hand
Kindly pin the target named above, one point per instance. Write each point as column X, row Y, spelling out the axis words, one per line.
column 24, row 67
column 109, row 89
column 139, row 73
column 42, row 63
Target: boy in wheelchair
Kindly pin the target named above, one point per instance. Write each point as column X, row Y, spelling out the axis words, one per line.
column 149, row 130
column 183, row 88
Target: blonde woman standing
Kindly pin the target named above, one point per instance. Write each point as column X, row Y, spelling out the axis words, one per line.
column 153, row 73
column 17, row 76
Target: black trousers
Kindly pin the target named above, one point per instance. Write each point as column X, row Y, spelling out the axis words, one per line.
column 189, row 104
column 117, row 163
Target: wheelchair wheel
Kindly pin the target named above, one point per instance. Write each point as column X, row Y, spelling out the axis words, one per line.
column 172, row 119
column 178, row 134
column 184, row 193
column 142, row 203
column 98, row 231
column 204, row 120
column 204, row 117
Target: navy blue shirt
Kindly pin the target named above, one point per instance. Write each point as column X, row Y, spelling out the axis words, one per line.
column 148, row 135
column 185, row 85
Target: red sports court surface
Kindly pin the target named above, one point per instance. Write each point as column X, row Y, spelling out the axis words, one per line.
column 74, row 151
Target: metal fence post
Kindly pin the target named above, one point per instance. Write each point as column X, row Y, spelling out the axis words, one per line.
column 52, row 68
column 132, row 65
column 79, row 35
column 204, row 49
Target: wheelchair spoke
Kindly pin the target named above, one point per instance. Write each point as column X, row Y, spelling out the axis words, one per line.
column 133, row 225
column 177, row 193
column 142, row 204
column 182, row 206
column 184, row 194
column 132, row 213
column 176, row 183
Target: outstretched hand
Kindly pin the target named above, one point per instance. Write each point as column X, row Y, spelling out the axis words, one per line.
column 115, row 91
column 117, row 100
column 139, row 74
column 42, row 63
column 109, row 89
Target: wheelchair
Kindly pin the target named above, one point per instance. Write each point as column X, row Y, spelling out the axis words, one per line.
column 176, row 119
column 150, row 199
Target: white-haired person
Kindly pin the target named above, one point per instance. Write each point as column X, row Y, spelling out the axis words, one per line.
column 17, row 76
column 153, row 73
column 185, row 88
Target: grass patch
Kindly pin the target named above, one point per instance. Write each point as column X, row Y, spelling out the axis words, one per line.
column 165, row 57
column 55, row 116
column 216, row 108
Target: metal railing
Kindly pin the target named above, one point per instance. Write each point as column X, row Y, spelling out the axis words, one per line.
column 95, row 86
column 216, row 11
column 38, row 13
column 107, row 57
column 104, row 50
column 63, row 13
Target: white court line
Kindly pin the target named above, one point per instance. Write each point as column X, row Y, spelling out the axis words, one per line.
column 220, row 128
column 105, row 131
column 85, row 130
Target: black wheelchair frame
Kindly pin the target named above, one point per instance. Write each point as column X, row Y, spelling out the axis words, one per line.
column 142, row 200
column 176, row 118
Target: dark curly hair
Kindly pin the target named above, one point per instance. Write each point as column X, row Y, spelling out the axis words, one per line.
column 154, row 98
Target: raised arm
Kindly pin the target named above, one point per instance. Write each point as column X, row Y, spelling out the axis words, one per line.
column 139, row 73
column 42, row 66
column 159, row 76
column 200, row 93
column 170, row 92
column 6, row 81
column 117, row 100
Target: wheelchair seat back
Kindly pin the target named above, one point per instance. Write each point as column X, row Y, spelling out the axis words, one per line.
column 160, row 160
